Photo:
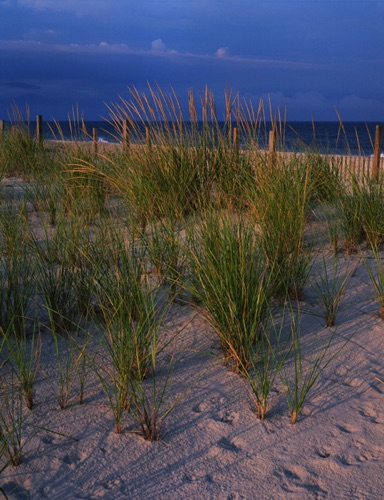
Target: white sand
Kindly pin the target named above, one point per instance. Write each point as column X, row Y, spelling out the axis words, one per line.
column 214, row 446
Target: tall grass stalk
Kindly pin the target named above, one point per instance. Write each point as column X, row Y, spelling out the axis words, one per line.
column 25, row 356
column 84, row 366
column 149, row 398
column 2, row 468
column 11, row 418
column 331, row 286
column 115, row 388
column 331, row 219
column 307, row 366
column 376, row 275
column 349, row 204
column 371, row 195
column 268, row 357
column 67, row 358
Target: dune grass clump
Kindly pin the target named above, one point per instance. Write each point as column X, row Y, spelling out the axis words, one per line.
column 193, row 157
column 131, row 316
column 17, row 270
column 21, row 154
column 53, row 278
column 349, row 205
column 307, row 361
column 324, row 179
column 11, row 419
column 150, row 398
column 24, row 357
column 331, row 286
column 231, row 281
column 163, row 241
column 267, row 359
column 376, row 275
column 280, row 204
column 371, row 195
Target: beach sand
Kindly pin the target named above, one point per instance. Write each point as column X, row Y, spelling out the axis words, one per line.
column 213, row 445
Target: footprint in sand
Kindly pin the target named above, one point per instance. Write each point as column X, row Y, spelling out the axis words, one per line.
column 228, row 417
column 361, row 456
column 323, row 453
column 293, row 479
column 201, row 408
column 291, row 474
column 71, row 458
column 347, row 429
column 227, row 444
column 371, row 415
column 47, row 439
column 74, row 457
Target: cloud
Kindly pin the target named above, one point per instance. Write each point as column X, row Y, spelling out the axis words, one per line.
column 222, row 52
column 158, row 46
column 160, row 49
column 36, row 47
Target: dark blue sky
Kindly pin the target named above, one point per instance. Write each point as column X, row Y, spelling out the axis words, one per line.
column 312, row 56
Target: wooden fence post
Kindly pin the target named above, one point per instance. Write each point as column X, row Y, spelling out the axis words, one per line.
column 235, row 140
column 272, row 143
column 377, row 152
column 126, row 134
column 147, row 137
column 95, row 139
column 39, row 128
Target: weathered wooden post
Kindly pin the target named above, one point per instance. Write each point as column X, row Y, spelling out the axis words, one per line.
column 272, row 143
column 126, row 134
column 147, row 137
column 2, row 126
column 95, row 141
column 377, row 152
column 235, row 140
column 39, row 128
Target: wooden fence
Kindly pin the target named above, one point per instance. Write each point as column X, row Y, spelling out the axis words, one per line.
column 359, row 166
column 356, row 165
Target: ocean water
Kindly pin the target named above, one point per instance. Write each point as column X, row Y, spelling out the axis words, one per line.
column 352, row 138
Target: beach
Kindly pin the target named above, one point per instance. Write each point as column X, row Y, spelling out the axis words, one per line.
column 143, row 344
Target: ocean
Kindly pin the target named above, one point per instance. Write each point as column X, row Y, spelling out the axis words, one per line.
column 352, row 138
